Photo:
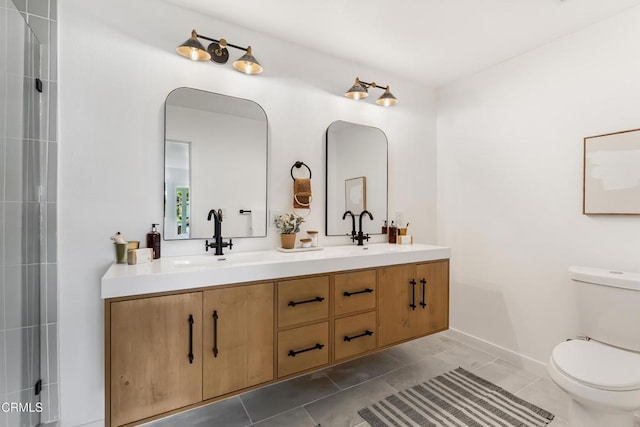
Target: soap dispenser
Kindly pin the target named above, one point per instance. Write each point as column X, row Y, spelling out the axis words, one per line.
column 393, row 232
column 153, row 241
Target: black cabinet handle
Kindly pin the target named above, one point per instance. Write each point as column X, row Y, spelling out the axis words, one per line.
column 190, row 338
column 413, row 294
column 424, row 285
column 293, row 353
column 348, row 294
column 294, row 303
column 215, row 333
column 366, row 333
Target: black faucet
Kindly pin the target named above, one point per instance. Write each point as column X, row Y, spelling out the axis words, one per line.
column 360, row 238
column 353, row 224
column 218, row 243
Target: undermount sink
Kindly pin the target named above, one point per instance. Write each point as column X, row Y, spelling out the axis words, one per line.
column 375, row 248
column 208, row 261
column 267, row 256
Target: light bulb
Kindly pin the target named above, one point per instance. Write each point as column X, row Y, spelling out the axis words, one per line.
column 194, row 54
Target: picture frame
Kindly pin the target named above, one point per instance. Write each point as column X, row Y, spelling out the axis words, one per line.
column 355, row 194
column 611, row 174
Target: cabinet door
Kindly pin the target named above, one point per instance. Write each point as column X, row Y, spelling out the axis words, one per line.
column 238, row 338
column 156, row 355
column 395, row 295
column 432, row 294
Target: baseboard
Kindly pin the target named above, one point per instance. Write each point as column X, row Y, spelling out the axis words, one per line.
column 527, row 363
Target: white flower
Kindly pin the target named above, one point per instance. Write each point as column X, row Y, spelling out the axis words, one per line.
column 288, row 223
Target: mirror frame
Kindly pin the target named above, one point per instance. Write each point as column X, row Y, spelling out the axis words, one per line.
column 266, row 178
column 326, row 177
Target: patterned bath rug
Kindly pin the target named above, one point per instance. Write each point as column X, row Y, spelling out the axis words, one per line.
column 455, row 399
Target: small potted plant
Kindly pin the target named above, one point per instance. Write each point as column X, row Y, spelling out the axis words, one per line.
column 289, row 225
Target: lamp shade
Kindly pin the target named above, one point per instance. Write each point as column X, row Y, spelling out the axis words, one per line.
column 193, row 49
column 387, row 99
column 357, row 91
column 248, row 64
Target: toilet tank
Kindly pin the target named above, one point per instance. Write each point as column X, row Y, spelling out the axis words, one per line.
column 608, row 305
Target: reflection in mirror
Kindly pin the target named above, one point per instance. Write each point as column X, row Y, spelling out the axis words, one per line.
column 356, row 177
column 215, row 158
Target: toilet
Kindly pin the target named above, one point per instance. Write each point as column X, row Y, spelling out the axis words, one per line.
column 601, row 370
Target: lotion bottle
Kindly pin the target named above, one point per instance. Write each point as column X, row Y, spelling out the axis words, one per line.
column 153, row 241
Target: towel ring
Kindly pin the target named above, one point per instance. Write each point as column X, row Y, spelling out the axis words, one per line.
column 299, row 165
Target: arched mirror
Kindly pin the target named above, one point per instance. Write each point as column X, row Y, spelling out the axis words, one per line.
column 215, row 158
column 356, row 176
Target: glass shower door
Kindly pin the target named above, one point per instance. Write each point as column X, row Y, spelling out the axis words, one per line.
column 21, row 213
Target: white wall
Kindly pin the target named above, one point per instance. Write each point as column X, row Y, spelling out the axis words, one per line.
column 117, row 64
column 510, row 183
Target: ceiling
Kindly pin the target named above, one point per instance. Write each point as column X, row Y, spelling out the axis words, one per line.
column 432, row 42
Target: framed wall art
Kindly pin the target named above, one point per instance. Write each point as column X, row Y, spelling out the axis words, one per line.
column 611, row 178
column 355, row 194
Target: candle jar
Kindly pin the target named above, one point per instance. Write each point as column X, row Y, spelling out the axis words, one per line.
column 313, row 235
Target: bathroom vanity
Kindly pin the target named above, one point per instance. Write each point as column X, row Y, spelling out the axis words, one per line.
column 181, row 332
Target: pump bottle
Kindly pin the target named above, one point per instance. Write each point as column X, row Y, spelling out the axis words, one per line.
column 393, row 232
column 153, row 241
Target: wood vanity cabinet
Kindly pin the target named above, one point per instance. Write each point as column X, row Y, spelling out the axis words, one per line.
column 413, row 301
column 238, row 338
column 155, row 355
column 169, row 352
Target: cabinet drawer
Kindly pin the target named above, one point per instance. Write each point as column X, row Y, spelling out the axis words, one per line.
column 303, row 348
column 354, row 291
column 303, row 300
column 354, row 335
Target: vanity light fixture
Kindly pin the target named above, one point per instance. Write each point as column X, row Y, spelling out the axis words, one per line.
column 360, row 90
column 217, row 52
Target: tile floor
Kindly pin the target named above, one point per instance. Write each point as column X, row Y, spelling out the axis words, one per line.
column 333, row 396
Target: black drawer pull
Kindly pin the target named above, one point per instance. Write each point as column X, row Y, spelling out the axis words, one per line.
column 293, row 353
column 424, row 285
column 366, row 333
column 190, row 338
column 215, row 333
column 348, row 294
column 413, row 294
column 294, row 303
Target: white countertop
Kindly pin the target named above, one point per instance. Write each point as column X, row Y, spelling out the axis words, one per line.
column 188, row 272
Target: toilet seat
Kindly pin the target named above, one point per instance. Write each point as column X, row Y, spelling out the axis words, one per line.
column 598, row 365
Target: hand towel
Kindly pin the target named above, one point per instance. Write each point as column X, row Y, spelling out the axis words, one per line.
column 302, row 193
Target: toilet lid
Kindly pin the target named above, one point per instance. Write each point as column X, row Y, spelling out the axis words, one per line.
column 599, row 365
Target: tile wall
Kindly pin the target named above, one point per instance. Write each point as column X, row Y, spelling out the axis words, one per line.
column 28, row 170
